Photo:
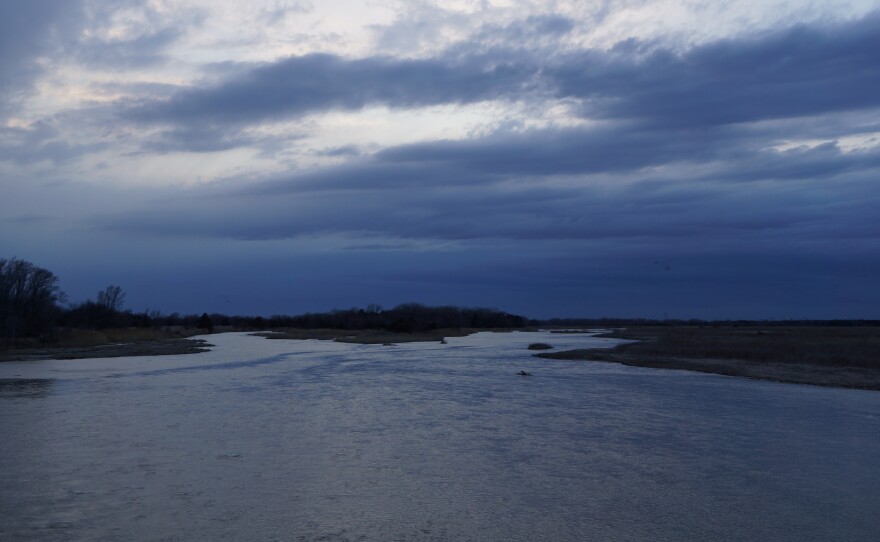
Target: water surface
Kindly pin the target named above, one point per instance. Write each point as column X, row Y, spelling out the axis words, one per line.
column 313, row 440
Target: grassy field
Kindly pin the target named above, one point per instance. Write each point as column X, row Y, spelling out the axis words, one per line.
column 826, row 356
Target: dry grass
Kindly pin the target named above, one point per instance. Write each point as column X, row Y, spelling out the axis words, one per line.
column 90, row 337
column 365, row 336
column 831, row 356
column 830, row 346
column 86, row 343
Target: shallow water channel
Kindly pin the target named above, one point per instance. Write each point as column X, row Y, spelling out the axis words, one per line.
column 313, row 440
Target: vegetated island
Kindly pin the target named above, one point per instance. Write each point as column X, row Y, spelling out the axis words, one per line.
column 845, row 356
column 409, row 322
column 365, row 336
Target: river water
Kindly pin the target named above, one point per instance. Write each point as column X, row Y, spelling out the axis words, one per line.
column 314, row 440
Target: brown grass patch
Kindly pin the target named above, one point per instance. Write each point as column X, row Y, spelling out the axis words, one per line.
column 830, row 346
column 364, row 336
column 832, row 356
column 106, row 343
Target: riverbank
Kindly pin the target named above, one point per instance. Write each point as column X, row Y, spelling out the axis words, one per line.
column 847, row 357
column 367, row 336
column 110, row 343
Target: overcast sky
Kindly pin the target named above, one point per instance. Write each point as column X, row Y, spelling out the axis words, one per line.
column 670, row 158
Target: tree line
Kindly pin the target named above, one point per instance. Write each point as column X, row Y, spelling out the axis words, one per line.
column 33, row 306
column 29, row 298
column 405, row 318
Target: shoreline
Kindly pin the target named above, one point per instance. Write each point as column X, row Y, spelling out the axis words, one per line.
column 367, row 336
column 159, row 347
column 841, row 358
column 177, row 344
column 830, row 357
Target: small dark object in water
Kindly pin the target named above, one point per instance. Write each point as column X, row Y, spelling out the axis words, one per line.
column 523, row 373
column 442, row 341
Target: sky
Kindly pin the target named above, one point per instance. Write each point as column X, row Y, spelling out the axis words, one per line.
column 554, row 158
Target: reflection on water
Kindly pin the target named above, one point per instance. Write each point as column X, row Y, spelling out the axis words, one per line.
column 24, row 387
column 310, row 440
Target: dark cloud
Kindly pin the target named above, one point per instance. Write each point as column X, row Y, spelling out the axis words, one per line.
column 607, row 148
column 337, row 152
column 801, row 71
column 445, row 201
column 651, row 172
column 824, row 161
column 686, row 150
column 320, row 82
column 728, row 160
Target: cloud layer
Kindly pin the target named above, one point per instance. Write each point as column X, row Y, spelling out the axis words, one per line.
column 516, row 158
column 793, row 72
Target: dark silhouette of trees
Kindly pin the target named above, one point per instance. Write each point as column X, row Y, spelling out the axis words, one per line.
column 112, row 298
column 105, row 312
column 28, row 299
column 405, row 318
column 90, row 315
column 205, row 323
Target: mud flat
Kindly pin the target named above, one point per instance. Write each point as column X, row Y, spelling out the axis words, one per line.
column 110, row 343
column 366, row 336
column 847, row 357
column 164, row 347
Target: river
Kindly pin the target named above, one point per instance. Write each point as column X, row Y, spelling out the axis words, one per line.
column 314, row 440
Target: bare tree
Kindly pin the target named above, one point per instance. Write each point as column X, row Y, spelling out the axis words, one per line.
column 28, row 298
column 112, row 298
